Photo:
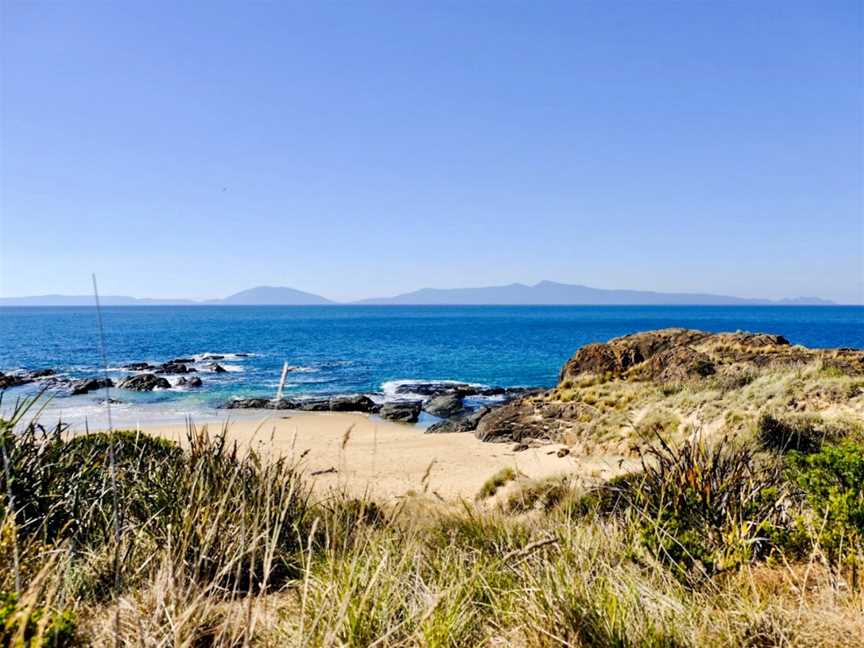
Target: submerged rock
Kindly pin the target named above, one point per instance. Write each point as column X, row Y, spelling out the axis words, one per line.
column 172, row 368
column 87, row 385
column 217, row 368
column 401, row 411
column 139, row 366
column 144, row 382
column 183, row 361
column 194, row 381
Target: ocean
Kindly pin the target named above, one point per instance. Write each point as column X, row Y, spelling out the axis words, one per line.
column 347, row 349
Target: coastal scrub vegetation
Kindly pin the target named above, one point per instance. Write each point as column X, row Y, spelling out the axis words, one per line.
column 124, row 539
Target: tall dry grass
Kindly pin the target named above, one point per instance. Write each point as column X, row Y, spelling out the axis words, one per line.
column 225, row 547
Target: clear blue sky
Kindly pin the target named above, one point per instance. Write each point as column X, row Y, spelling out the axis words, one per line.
column 367, row 148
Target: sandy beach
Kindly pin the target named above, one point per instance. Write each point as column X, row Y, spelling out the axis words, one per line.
column 389, row 460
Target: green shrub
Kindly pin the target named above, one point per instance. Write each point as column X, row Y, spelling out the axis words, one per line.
column 832, row 481
column 496, row 481
column 228, row 517
column 704, row 509
column 37, row 626
column 660, row 422
column 803, row 432
column 62, row 488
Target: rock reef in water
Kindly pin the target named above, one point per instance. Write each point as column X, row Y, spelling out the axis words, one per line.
column 144, row 382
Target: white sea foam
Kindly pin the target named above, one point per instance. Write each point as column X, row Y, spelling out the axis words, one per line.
column 203, row 357
column 302, row 369
column 390, row 387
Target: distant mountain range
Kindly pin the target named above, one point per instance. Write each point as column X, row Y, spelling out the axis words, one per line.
column 551, row 293
column 260, row 296
column 543, row 293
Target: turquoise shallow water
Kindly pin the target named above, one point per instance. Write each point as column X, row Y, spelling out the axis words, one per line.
column 339, row 349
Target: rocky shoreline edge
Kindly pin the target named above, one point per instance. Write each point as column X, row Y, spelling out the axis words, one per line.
column 664, row 359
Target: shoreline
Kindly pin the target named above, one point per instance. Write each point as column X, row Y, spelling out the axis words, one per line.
column 363, row 455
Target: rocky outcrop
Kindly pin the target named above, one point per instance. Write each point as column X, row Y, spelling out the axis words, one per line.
column 144, row 382
column 513, row 422
column 433, row 389
column 26, row 377
column 660, row 357
column 679, row 364
column 311, row 404
column 216, row 368
column 682, row 354
column 621, row 354
column 139, row 366
column 465, row 422
column 88, row 385
column 249, row 403
column 353, row 403
column 341, row 403
column 173, row 368
column 13, row 380
column 445, row 406
column 401, row 411
column 194, row 381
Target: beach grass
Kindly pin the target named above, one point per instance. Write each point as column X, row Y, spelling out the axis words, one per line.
column 713, row 542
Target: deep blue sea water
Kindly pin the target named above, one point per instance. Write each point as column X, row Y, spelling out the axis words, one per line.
column 341, row 349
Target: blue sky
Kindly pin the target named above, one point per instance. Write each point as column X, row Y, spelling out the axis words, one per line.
column 369, row 148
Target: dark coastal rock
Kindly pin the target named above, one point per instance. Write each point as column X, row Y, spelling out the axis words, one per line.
column 352, row 403
column 212, row 356
column 194, row 381
column 678, row 354
column 139, row 366
column 89, row 384
column 432, row 389
column 679, row 364
column 248, row 403
column 216, row 368
column 180, row 383
column 511, row 422
column 182, row 360
column 466, row 422
column 342, row 403
column 620, row 354
column 445, row 406
column 401, row 411
column 172, row 368
column 13, row 380
column 315, row 404
column 144, row 382
column 41, row 373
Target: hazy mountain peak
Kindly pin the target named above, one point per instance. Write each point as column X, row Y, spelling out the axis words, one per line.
column 273, row 295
